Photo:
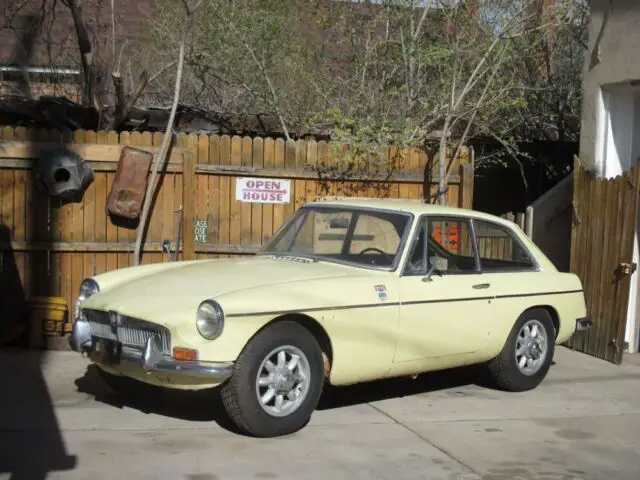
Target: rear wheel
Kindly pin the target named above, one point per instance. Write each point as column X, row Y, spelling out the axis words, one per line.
column 527, row 354
column 277, row 381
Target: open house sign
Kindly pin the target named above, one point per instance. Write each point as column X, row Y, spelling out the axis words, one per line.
column 263, row 190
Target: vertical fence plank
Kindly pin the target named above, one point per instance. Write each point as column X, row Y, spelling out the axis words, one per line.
column 323, row 157
column 214, row 191
column 156, row 225
column 257, row 208
column 290, row 162
column 77, row 226
column 579, row 266
column 267, row 209
column 299, row 186
column 414, row 167
column 609, row 190
column 127, row 234
column 30, row 273
column 312, row 164
column 401, row 155
column 633, row 191
column 89, row 200
column 167, row 205
column 110, row 138
column 246, row 208
column 234, row 217
column 278, row 209
column 590, row 245
column 226, row 193
column 189, row 203
column 202, row 182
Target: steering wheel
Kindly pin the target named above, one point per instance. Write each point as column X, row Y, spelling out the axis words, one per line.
column 377, row 250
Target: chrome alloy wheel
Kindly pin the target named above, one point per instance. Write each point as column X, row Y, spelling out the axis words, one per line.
column 283, row 381
column 531, row 347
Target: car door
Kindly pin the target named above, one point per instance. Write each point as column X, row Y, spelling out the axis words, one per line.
column 445, row 304
column 512, row 273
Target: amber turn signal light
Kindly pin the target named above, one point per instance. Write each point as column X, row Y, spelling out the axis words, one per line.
column 185, row 354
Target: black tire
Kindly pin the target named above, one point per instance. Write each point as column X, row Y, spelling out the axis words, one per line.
column 503, row 369
column 239, row 394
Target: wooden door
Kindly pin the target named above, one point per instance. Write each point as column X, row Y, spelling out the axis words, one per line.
column 603, row 232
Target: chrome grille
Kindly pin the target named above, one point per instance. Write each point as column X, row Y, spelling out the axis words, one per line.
column 130, row 331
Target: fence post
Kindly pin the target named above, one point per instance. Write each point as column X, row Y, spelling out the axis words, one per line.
column 528, row 222
column 189, row 204
column 466, row 186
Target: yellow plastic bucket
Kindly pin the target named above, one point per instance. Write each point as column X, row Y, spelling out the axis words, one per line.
column 47, row 317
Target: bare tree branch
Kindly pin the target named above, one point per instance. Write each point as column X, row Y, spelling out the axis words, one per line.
column 161, row 157
column 263, row 71
column 86, row 52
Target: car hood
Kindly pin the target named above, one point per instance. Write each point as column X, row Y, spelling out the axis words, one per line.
column 178, row 289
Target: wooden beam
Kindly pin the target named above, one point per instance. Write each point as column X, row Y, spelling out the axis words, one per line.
column 232, row 170
column 118, row 247
column 303, row 173
column 12, row 149
column 189, row 205
column 27, row 164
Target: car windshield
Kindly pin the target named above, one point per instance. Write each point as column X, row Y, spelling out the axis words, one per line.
column 362, row 237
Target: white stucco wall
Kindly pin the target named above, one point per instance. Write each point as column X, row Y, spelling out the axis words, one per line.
column 618, row 65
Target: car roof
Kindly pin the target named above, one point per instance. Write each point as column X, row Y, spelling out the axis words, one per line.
column 416, row 207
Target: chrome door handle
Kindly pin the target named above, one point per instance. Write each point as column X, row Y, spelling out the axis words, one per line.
column 482, row 286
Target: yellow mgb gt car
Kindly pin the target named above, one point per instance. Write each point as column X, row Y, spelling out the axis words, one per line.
column 347, row 291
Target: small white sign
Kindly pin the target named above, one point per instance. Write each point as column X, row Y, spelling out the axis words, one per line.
column 263, row 190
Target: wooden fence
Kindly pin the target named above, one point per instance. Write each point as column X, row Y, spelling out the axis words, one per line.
column 604, row 219
column 55, row 245
column 497, row 245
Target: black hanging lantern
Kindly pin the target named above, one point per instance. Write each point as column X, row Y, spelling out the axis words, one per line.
column 63, row 173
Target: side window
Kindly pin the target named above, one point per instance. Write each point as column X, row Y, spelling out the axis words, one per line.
column 449, row 247
column 499, row 249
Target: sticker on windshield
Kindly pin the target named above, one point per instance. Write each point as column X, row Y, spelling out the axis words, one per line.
column 381, row 290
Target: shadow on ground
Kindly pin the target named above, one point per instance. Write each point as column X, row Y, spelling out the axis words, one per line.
column 197, row 406
column 206, row 406
column 31, row 444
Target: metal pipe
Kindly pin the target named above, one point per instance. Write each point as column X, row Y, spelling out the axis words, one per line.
column 61, row 71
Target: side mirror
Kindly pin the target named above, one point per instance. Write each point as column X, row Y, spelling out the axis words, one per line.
column 427, row 277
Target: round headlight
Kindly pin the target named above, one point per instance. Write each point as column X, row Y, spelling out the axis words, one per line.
column 210, row 319
column 88, row 287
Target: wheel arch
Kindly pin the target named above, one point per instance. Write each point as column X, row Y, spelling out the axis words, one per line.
column 315, row 328
column 553, row 313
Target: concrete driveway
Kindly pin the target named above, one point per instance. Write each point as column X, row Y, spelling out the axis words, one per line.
column 57, row 420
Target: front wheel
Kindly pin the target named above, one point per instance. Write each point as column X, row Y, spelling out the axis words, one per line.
column 277, row 381
column 527, row 354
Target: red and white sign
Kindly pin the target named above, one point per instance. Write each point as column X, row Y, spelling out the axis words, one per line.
column 263, row 190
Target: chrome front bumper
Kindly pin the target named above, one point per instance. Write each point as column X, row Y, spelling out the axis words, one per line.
column 151, row 358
